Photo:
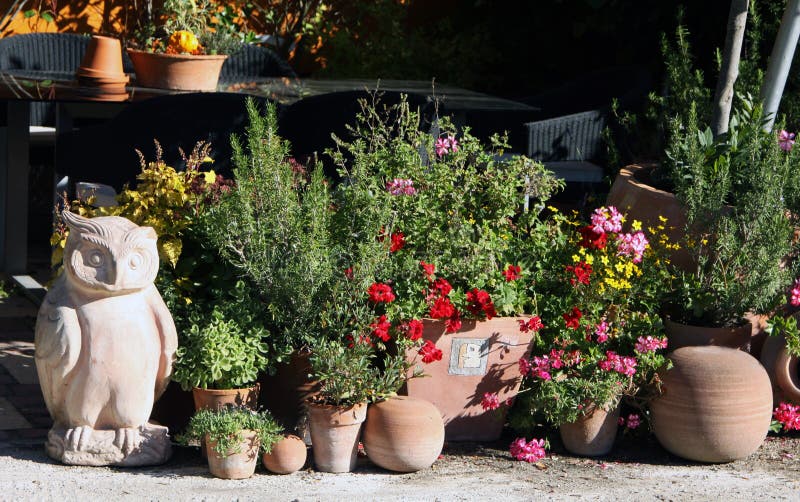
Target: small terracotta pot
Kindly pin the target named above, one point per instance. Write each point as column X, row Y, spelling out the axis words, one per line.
column 240, row 465
column 182, row 72
column 685, row 335
column 716, row 404
column 592, row 435
column 287, row 455
column 403, row 434
column 103, row 58
column 334, row 435
column 783, row 370
column 214, row 399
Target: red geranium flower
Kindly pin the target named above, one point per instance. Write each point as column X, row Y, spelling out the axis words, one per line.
column 348, row 272
column 428, row 268
column 380, row 293
column 512, row 273
column 380, row 328
column 479, row 301
column 413, row 329
column 533, row 324
column 442, row 308
column 573, row 318
column 398, row 241
column 453, row 324
column 362, row 339
column 582, row 272
column 429, row 352
column 442, row 286
column 591, row 239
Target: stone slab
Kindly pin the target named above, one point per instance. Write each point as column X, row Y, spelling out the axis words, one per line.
column 10, row 418
column 17, row 358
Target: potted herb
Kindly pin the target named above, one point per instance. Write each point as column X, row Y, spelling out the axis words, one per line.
column 186, row 51
column 598, row 335
column 234, row 436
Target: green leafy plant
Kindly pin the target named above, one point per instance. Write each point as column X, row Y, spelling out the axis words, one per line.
column 218, row 353
column 224, row 428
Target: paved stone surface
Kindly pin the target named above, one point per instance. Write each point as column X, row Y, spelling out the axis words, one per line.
column 10, row 418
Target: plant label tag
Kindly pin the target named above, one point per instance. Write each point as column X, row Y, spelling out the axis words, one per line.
column 468, row 356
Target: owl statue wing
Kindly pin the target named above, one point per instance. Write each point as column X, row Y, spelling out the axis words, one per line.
column 58, row 345
column 168, row 336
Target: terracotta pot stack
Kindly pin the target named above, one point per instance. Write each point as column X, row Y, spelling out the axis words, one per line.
column 101, row 67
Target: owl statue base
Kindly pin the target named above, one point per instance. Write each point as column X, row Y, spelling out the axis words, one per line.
column 147, row 445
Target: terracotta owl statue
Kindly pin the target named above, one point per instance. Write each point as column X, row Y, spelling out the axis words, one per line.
column 105, row 343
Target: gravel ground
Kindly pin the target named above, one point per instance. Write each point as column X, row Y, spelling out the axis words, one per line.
column 638, row 469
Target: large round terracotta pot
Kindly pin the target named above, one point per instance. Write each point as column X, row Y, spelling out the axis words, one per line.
column 716, row 404
column 334, row 435
column 181, row 72
column 633, row 194
column 286, row 456
column 214, row 399
column 685, row 335
column 232, row 465
column 593, row 434
column 783, row 370
column 483, row 356
column 403, row 434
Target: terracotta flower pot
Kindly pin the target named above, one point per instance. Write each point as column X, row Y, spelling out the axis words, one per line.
column 102, row 59
column 289, row 390
column 684, row 335
column 214, row 399
column 287, row 456
column 783, row 370
column 182, row 72
column 716, row 404
column 592, row 435
column 240, row 465
column 481, row 357
column 403, row 434
column 334, row 435
column 640, row 201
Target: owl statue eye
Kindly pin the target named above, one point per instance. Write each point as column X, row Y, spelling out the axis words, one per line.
column 135, row 261
column 96, row 259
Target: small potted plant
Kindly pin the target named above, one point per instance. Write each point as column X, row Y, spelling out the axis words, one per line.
column 186, row 51
column 234, row 436
column 599, row 337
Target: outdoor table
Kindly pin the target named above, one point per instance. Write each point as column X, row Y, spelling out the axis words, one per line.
column 18, row 88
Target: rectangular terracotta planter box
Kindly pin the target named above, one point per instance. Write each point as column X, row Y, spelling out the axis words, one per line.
column 482, row 357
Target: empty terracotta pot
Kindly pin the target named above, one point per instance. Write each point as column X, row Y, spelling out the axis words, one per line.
column 684, row 335
column 287, row 456
column 592, row 434
column 182, row 72
column 334, row 435
column 103, row 58
column 716, row 404
column 403, row 434
column 232, row 465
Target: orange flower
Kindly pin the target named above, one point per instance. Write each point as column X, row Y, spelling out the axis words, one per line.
column 183, row 41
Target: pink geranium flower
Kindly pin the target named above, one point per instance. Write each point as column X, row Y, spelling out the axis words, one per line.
column 794, row 299
column 601, row 332
column 632, row 245
column 786, row 140
column 649, row 344
column 788, row 415
column 528, row 451
column 606, row 219
column 490, row 401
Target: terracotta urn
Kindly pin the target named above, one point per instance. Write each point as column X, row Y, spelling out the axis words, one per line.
column 482, row 357
column 716, row 404
column 214, row 399
column 403, row 434
column 593, row 434
column 783, row 370
column 181, row 72
column 335, row 431
column 685, row 335
column 286, row 456
column 232, row 465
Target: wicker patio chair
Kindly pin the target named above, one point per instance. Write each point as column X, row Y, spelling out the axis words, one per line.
column 253, row 61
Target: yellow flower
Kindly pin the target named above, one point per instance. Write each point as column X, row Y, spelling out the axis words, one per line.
column 589, row 259
column 604, row 259
column 636, row 225
column 553, row 209
column 183, row 41
column 576, row 258
column 662, row 219
column 210, row 177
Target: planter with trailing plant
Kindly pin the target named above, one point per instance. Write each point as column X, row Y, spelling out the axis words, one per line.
column 234, row 437
column 186, row 52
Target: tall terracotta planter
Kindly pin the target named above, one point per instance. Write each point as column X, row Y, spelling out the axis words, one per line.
column 334, row 435
column 403, row 434
column 716, row 404
column 290, row 388
column 593, row 434
column 783, row 370
column 684, row 335
column 481, row 357
column 232, row 465
column 181, row 72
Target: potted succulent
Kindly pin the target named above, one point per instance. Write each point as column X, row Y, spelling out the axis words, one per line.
column 452, row 218
column 186, row 51
column 598, row 334
column 234, row 436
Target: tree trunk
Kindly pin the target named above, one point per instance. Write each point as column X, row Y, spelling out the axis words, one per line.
column 723, row 97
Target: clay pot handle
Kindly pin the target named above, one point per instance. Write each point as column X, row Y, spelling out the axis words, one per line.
column 786, row 375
